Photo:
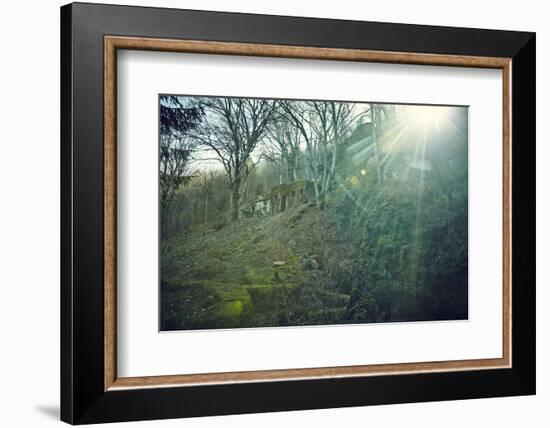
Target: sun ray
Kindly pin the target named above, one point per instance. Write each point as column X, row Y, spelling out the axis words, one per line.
column 417, row 228
column 393, row 144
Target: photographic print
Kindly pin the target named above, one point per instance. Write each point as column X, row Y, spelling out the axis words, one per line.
column 279, row 212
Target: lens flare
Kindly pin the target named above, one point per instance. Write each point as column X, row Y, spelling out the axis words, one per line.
column 426, row 116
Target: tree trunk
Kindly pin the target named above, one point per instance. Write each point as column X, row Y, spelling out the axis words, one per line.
column 291, row 172
column 235, row 202
column 375, row 122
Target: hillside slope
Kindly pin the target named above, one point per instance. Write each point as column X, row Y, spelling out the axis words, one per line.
column 260, row 271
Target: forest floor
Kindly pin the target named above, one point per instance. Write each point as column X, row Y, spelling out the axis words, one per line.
column 253, row 272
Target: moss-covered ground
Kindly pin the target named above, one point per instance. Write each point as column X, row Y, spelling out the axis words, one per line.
column 260, row 271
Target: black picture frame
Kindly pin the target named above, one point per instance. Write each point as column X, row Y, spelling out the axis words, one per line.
column 83, row 397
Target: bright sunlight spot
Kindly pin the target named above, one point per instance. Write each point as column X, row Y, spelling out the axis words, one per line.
column 426, row 116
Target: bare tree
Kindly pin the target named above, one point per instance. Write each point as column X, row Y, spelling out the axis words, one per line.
column 232, row 129
column 207, row 186
column 323, row 125
column 284, row 141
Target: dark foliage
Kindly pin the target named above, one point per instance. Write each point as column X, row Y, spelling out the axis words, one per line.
column 175, row 118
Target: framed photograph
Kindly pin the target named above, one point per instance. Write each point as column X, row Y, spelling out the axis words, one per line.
column 265, row 213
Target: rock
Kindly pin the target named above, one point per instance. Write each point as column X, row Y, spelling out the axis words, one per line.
column 280, row 276
column 318, row 260
column 309, row 263
column 279, row 263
